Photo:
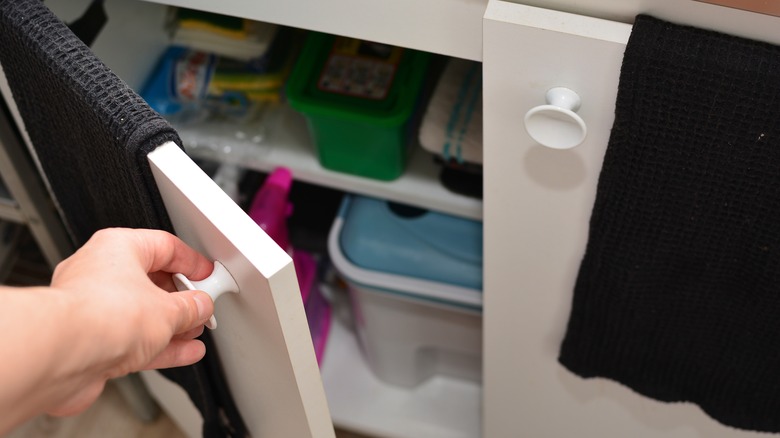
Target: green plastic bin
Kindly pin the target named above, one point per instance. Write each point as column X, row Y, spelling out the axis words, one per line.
column 359, row 99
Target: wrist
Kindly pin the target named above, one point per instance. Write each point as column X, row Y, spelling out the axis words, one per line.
column 38, row 353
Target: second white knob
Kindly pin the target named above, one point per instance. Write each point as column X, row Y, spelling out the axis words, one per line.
column 556, row 124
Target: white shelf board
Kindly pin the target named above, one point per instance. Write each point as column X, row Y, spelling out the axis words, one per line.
column 289, row 144
column 448, row 27
column 439, row 408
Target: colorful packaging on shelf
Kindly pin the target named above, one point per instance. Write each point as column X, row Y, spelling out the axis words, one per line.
column 359, row 99
column 193, row 85
column 452, row 125
column 224, row 109
column 233, row 37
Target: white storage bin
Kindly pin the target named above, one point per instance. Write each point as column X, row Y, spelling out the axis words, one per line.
column 409, row 326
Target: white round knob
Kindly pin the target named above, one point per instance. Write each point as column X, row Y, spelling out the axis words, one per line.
column 557, row 125
column 219, row 282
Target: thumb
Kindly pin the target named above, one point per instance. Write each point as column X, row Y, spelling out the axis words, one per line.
column 193, row 308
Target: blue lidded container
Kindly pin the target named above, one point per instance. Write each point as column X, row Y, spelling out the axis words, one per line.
column 415, row 282
column 410, row 251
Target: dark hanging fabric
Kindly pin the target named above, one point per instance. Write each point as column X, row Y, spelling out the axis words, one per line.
column 678, row 294
column 91, row 134
column 88, row 26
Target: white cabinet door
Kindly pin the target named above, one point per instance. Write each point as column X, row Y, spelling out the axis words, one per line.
column 537, row 207
column 262, row 335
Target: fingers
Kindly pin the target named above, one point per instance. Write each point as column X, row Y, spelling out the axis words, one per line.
column 191, row 334
column 156, row 250
column 163, row 280
column 162, row 251
column 178, row 353
column 190, row 310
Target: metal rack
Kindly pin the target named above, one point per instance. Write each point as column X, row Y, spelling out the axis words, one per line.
column 24, row 198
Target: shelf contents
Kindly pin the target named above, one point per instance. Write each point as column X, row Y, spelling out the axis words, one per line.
column 359, row 99
column 268, row 134
column 452, row 124
column 415, row 279
column 451, row 127
column 235, row 101
column 291, row 146
column 232, row 37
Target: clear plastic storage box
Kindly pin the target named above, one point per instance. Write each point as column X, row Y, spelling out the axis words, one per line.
column 415, row 280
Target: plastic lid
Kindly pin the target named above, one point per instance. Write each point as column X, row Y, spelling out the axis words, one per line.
column 442, row 251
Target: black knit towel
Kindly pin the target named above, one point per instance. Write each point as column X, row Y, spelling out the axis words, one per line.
column 91, row 134
column 678, row 295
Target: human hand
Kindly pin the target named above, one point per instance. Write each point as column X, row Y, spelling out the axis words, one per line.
column 124, row 317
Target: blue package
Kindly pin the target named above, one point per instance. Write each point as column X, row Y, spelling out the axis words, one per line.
column 179, row 81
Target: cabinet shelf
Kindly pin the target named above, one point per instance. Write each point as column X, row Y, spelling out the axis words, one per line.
column 439, row 408
column 290, row 145
column 447, row 27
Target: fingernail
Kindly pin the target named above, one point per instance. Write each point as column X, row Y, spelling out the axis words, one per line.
column 201, row 299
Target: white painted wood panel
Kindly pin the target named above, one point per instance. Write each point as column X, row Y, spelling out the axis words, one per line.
column 537, row 207
column 729, row 20
column 263, row 337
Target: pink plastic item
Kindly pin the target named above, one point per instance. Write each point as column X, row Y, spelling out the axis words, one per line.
column 270, row 206
column 270, row 209
column 317, row 308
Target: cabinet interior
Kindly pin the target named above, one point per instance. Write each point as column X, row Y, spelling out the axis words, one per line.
column 130, row 44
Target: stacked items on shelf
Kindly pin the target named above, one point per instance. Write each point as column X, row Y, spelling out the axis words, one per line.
column 232, row 37
column 222, row 69
column 360, row 99
column 414, row 279
column 452, row 126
